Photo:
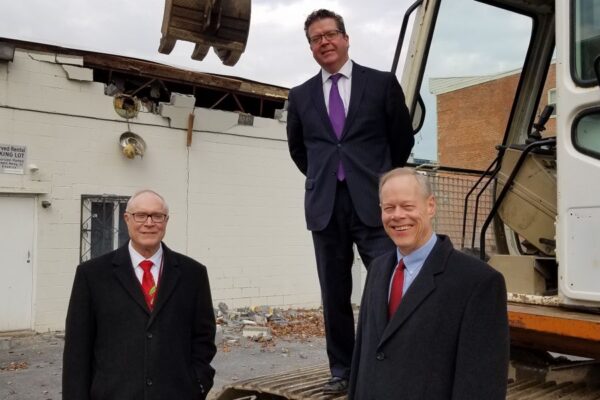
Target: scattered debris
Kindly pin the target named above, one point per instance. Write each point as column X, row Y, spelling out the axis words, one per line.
column 15, row 366
column 257, row 333
column 264, row 324
column 300, row 324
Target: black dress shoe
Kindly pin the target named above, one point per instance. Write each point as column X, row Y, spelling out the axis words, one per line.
column 336, row 385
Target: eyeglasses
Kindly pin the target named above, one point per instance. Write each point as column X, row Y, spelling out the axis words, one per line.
column 143, row 217
column 327, row 35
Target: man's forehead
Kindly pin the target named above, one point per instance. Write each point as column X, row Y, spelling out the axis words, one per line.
column 323, row 21
column 404, row 184
column 147, row 199
column 402, row 181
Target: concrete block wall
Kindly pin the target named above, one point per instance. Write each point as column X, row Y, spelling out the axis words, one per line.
column 235, row 197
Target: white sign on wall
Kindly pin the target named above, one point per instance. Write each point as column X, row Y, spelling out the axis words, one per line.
column 12, row 158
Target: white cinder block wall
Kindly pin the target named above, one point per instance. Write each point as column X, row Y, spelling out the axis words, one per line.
column 235, row 197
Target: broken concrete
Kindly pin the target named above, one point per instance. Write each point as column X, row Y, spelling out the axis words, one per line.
column 32, row 368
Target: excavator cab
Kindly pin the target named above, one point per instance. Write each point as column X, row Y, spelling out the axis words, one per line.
column 486, row 71
column 222, row 24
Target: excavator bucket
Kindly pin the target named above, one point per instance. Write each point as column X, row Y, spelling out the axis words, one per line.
column 222, row 24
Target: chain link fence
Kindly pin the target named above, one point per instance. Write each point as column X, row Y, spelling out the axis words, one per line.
column 450, row 188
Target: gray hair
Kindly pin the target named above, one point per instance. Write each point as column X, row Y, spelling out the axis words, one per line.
column 422, row 179
column 140, row 192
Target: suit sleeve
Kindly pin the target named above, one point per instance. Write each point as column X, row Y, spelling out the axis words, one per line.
column 203, row 336
column 295, row 136
column 79, row 341
column 400, row 133
column 483, row 349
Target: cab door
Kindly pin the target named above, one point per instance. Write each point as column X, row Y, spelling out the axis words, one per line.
column 578, row 154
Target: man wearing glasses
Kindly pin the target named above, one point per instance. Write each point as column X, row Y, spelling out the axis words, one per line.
column 346, row 126
column 140, row 323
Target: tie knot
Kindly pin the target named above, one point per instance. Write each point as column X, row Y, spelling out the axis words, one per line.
column 146, row 265
column 335, row 78
column 401, row 265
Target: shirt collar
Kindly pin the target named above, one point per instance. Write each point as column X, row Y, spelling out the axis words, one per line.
column 137, row 258
column 417, row 258
column 346, row 71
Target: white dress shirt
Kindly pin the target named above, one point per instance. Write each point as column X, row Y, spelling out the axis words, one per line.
column 344, row 84
column 137, row 258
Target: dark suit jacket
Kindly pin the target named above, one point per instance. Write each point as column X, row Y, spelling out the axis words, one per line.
column 115, row 349
column 377, row 137
column 447, row 341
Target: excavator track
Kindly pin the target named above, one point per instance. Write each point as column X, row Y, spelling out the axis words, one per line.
column 306, row 383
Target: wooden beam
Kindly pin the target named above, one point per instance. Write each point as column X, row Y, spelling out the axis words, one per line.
column 168, row 73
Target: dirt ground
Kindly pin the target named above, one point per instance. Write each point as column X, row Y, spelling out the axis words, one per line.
column 31, row 368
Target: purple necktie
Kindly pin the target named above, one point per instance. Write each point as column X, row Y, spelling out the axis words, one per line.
column 337, row 116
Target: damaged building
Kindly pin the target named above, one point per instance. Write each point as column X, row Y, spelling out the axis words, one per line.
column 81, row 131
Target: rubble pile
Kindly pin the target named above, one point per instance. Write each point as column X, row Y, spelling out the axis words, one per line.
column 301, row 325
column 265, row 324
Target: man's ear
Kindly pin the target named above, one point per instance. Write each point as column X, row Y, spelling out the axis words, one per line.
column 431, row 206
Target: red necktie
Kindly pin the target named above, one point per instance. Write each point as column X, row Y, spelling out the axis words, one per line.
column 148, row 286
column 396, row 291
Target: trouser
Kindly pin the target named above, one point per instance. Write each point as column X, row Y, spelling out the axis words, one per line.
column 334, row 253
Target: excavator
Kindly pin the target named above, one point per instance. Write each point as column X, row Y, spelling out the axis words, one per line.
column 220, row 24
column 545, row 213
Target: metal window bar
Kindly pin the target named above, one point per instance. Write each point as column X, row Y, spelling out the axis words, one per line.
column 102, row 225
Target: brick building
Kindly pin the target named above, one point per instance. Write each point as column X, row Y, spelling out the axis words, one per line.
column 472, row 113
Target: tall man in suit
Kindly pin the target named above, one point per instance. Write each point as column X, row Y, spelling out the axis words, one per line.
column 140, row 324
column 433, row 321
column 346, row 126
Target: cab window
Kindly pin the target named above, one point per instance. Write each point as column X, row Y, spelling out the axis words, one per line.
column 585, row 40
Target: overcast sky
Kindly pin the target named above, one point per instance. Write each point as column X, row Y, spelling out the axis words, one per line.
column 277, row 52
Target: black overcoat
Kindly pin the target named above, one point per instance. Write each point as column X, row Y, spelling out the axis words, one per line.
column 116, row 349
column 448, row 339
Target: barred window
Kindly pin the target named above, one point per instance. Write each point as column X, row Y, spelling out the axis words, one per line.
column 103, row 227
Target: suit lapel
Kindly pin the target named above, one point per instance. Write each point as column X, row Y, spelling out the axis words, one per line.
column 359, row 82
column 123, row 270
column 167, row 281
column 421, row 288
column 381, row 292
column 319, row 103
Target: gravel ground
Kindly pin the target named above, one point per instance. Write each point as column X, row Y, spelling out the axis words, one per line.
column 31, row 368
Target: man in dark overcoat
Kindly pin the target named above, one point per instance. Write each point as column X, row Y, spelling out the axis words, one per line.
column 433, row 321
column 140, row 323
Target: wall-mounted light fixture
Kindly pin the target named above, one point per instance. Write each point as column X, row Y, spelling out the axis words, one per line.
column 132, row 145
column 126, row 106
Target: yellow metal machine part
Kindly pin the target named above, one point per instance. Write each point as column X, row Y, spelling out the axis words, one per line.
column 222, row 24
